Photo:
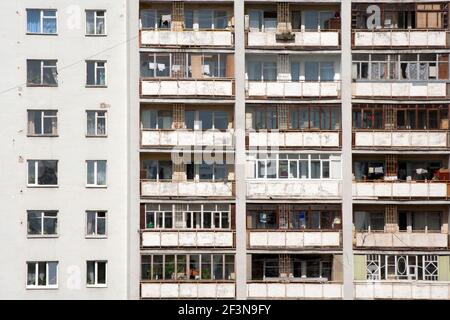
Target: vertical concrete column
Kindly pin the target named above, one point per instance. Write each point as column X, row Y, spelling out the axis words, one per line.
column 239, row 122
column 133, row 107
column 346, row 96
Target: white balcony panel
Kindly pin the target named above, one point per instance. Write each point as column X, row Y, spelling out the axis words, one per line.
column 402, row 239
column 186, row 38
column 401, row 139
column 293, row 239
column 263, row 189
column 400, row 89
column 402, row 290
column 187, row 290
column 401, row 38
column 294, row 290
column 293, row 89
column 166, row 238
column 304, row 39
column 201, row 189
column 294, row 139
column 370, row 190
column 187, row 88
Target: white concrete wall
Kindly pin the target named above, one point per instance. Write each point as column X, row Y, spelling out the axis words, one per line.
column 415, row 38
column 167, row 238
column 410, row 139
column 293, row 239
column 373, row 190
column 400, row 89
column 304, row 39
column 71, row 248
column 402, row 239
column 186, row 38
column 198, row 87
column 402, row 290
column 293, row 89
column 285, row 189
column 294, row 290
column 200, row 189
column 293, row 139
column 187, row 290
column 186, row 138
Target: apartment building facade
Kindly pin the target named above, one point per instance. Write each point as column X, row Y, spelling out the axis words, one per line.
column 227, row 150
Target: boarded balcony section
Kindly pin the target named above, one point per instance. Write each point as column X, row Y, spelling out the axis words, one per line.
column 401, row 38
column 264, row 90
column 269, row 239
column 170, row 138
column 267, row 290
column 325, row 139
column 399, row 190
column 402, row 139
column 186, row 38
column 184, row 239
column 402, row 290
column 186, row 189
column 401, row 90
column 401, row 240
column 301, row 39
column 187, row 88
column 192, row 290
column 285, row 189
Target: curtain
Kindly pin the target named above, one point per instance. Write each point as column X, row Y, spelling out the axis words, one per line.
column 311, row 71
column 49, row 23
column 254, row 71
column 90, row 18
column 101, row 172
column 326, row 71
column 90, row 223
column 33, row 21
column 31, row 122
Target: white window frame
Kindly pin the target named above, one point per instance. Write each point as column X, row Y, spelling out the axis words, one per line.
column 42, row 118
column 96, row 68
column 213, row 165
column 42, row 217
column 36, row 174
column 44, row 66
column 95, row 184
column 96, row 284
column 96, row 234
column 96, row 11
column 156, row 214
column 96, row 117
column 36, row 273
column 41, row 21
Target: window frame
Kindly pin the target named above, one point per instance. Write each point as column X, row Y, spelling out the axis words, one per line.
column 36, row 174
column 96, row 118
column 96, row 67
column 96, row 173
column 42, row 66
column 96, row 235
column 43, row 116
column 36, row 275
column 95, row 34
column 42, row 17
column 42, row 223
column 96, row 284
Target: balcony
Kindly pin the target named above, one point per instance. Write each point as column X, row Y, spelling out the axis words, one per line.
column 325, row 139
column 402, row 139
column 288, row 189
column 328, row 38
column 186, row 238
column 400, row 38
column 401, row 190
column 401, row 240
column 396, row 90
column 276, row 290
column 171, row 138
column 201, row 38
column 402, row 290
column 279, row 89
column 186, row 189
column 189, row 290
column 220, row 87
column 291, row 239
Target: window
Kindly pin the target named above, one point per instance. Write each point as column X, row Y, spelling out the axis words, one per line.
column 318, row 71
column 369, row 221
column 42, row 122
column 95, row 22
column 158, row 216
column 264, row 118
column 157, row 119
column 41, row 21
column 310, row 118
column 426, row 221
column 158, row 169
column 212, row 19
column 96, row 73
column 42, row 73
column 42, row 223
column 206, row 120
column 96, row 223
column 96, row 173
column 265, row 70
column 317, row 19
column 96, row 273
column 187, row 267
column 42, row 274
column 156, row 19
column 96, row 123
column 42, row 172
column 207, row 172
column 368, row 117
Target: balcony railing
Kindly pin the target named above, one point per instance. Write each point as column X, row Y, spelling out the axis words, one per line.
column 193, row 290
column 400, row 89
column 400, row 38
column 151, row 188
column 276, row 290
column 203, row 38
column 293, row 89
column 208, row 87
column 301, row 38
column 182, row 137
column 292, row 239
column 187, row 238
column 412, row 139
column 402, row 290
column 324, row 139
column 288, row 189
column 400, row 190
column 401, row 240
